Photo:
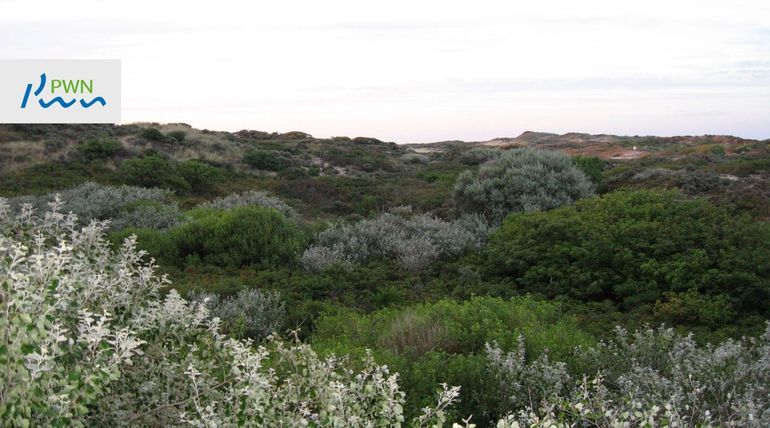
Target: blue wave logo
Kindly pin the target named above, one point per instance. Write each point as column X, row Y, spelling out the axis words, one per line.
column 67, row 86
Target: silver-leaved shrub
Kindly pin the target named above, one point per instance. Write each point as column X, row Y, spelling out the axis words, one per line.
column 88, row 340
column 414, row 241
column 252, row 197
column 251, row 313
column 124, row 206
column 521, row 180
column 648, row 378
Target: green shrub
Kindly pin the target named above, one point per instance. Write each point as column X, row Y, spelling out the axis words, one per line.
column 651, row 377
column 592, row 167
column 632, row 247
column 153, row 170
column 96, row 149
column 521, row 180
column 247, row 236
column 199, row 175
column 266, row 160
column 153, row 134
column 445, row 342
column 456, row 327
column 690, row 308
column 179, row 136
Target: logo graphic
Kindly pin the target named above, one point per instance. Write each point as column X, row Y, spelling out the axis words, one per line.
column 69, row 86
column 60, row 91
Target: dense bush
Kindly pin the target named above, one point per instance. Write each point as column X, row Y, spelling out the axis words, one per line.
column 249, row 198
column 521, row 180
column 153, row 134
column 199, row 175
column 632, row 247
column 266, row 160
column 648, row 378
column 179, row 136
column 414, row 241
column 153, row 170
column 96, row 149
column 124, row 206
column 147, row 214
column 100, row 348
column 592, row 167
column 246, row 236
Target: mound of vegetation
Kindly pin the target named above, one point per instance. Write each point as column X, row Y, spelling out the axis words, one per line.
column 124, row 206
column 521, row 180
column 638, row 248
column 413, row 240
column 246, row 236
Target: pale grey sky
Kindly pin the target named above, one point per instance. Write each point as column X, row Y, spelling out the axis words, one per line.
column 418, row 71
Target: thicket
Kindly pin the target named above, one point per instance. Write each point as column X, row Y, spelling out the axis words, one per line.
column 247, row 236
column 155, row 170
column 99, row 149
column 592, row 167
column 635, row 249
column 266, row 160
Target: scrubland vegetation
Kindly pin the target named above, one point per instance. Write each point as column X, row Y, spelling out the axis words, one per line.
column 165, row 276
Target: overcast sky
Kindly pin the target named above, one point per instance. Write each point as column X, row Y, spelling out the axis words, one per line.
column 419, row 71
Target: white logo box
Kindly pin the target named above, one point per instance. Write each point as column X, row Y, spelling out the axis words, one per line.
column 70, row 91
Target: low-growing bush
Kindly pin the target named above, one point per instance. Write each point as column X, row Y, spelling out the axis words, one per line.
column 246, row 236
column 99, row 149
column 416, row 158
column 152, row 134
column 179, row 136
column 124, row 206
column 592, row 167
column 266, row 160
column 249, row 198
column 199, row 175
column 153, row 170
column 414, row 241
column 648, row 378
column 147, row 214
column 521, row 180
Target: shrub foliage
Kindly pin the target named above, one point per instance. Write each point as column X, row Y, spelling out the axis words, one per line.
column 632, row 247
column 88, row 341
column 521, row 180
column 414, row 241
